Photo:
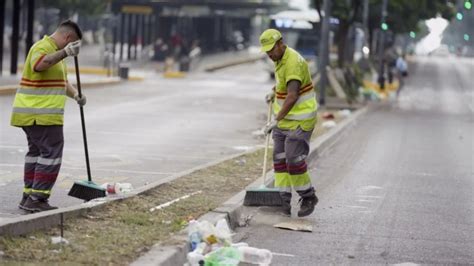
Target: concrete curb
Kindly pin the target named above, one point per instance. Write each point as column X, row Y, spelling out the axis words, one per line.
column 29, row 223
column 232, row 209
column 234, row 63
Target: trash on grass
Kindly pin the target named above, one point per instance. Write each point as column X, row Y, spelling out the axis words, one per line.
column 59, row 240
column 329, row 124
column 212, row 246
column 327, row 115
column 345, row 112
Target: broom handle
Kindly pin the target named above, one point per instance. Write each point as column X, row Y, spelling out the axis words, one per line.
column 267, row 141
column 83, row 123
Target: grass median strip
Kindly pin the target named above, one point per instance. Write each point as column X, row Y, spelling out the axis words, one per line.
column 123, row 230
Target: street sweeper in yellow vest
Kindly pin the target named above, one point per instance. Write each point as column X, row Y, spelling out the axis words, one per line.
column 294, row 107
column 38, row 109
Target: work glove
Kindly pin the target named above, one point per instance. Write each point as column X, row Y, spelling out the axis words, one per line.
column 270, row 126
column 80, row 100
column 72, row 48
column 269, row 97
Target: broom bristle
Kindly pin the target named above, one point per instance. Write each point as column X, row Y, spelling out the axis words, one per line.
column 86, row 190
column 263, row 197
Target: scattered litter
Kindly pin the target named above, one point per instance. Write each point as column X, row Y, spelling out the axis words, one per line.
column 117, row 188
column 344, row 112
column 2, row 253
column 32, row 237
column 59, row 240
column 329, row 124
column 282, row 254
column 327, row 115
column 212, row 245
column 241, row 161
column 296, row 225
column 166, row 222
column 164, row 205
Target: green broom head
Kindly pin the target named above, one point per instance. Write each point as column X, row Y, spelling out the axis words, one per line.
column 86, row 190
column 263, row 196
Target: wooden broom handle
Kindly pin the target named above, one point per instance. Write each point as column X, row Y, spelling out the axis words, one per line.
column 267, row 141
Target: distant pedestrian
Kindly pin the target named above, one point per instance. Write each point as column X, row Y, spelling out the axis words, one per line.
column 402, row 72
column 38, row 109
column 295, row 109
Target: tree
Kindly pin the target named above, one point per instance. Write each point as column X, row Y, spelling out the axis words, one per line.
column 403, row 17
column 68, row 7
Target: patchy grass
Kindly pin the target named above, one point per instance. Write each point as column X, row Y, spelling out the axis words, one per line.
column 123, row 230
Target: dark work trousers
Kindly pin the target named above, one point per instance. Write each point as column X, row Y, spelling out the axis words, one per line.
column 43, row 160
column 291, row 147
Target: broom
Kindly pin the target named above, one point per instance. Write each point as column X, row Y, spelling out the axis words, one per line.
column 85, row 189
column 262, row 195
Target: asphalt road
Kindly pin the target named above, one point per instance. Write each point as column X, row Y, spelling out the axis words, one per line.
column 140, row 132
column 397, row 187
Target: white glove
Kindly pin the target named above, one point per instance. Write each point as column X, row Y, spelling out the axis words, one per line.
column 80, row 100
column 72, row 48
column 269, row 97
column 270, row 126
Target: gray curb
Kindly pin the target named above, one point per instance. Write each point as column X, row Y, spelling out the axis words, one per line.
column 231, row 209
column 234, row 63
column 29, row 223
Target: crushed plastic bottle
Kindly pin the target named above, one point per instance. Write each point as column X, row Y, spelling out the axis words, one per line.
column 195, row 259
column 255, row 255
column 227, row 256
column 194, row 236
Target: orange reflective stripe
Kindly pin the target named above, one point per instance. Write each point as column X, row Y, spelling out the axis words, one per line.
column 282, row 95
column 49, row 85
column 42, row 80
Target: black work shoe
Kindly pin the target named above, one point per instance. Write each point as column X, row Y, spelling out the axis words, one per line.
column 22, row 202
column 307, row 205
column 37, row 205
column 286, row 209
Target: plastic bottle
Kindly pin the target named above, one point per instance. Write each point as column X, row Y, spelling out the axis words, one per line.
column 255, row 255
column 195, row 259
column 194, row 237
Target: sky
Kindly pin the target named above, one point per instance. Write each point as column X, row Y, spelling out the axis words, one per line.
column 302, row 4
column 433, row 39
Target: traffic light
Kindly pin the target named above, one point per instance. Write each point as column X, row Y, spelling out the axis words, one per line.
column 384, row 26
column 467, row 37
column 412, row 34
column 459, row 16
column 468, row 5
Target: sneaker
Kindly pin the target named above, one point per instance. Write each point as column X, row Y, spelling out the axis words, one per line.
column 22, row 202
column 37, row 205
column 307, row 205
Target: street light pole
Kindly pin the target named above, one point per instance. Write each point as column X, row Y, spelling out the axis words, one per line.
column 324, row 51
column 381, row 78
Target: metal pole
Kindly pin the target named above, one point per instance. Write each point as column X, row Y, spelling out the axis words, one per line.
column 381, row 46
column 2, row 30
column 366, row 23
column 122, row 34
column 130, row 36
column 29, row 31
column 15, row 37
column 135, row 35
column 324, row 51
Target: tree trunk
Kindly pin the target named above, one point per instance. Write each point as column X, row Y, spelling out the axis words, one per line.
column 341, row 42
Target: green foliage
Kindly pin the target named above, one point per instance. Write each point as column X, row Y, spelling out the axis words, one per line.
column 83, row 7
